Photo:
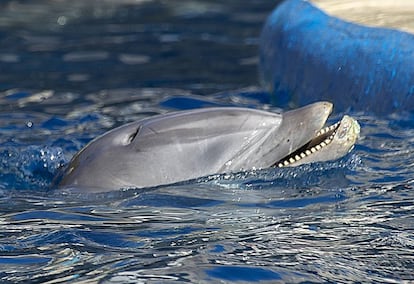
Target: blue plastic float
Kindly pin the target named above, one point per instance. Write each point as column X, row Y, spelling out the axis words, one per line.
column 307, row 55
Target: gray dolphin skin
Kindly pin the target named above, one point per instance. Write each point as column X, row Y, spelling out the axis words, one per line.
column 185, row 145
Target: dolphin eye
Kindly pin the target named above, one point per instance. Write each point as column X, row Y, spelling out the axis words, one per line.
column 133, row 135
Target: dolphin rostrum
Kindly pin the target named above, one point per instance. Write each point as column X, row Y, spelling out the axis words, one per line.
column 184, row 145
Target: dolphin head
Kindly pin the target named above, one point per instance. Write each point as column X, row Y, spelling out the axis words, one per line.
column 297, row 127
column 330, row 143
column 189, row 144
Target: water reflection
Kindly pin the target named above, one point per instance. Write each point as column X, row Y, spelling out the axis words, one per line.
column 207, row 232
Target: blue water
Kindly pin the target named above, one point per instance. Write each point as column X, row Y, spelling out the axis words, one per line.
column 75, row 69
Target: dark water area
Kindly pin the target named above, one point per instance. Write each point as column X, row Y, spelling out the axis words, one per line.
column 91, row 46
column 71, row 70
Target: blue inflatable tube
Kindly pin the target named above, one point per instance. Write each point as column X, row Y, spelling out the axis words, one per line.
column 307, row 55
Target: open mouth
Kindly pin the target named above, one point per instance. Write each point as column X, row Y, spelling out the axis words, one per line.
column 322, row 139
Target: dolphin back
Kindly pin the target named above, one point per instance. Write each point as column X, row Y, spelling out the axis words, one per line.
column 169, row 148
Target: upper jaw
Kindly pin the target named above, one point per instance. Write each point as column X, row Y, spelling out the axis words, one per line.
column 299, row 126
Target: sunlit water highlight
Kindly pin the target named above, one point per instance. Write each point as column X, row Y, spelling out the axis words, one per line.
column 342, row 221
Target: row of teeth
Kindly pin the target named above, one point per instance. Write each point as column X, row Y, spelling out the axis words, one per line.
column 327, row 129
column 314, row 149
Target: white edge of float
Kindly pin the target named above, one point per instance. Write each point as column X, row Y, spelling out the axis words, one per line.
column 394, row 14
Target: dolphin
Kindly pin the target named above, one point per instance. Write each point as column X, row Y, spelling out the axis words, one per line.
column 185, row 145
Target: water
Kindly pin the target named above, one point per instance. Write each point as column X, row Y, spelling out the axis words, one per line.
column 73, row 70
